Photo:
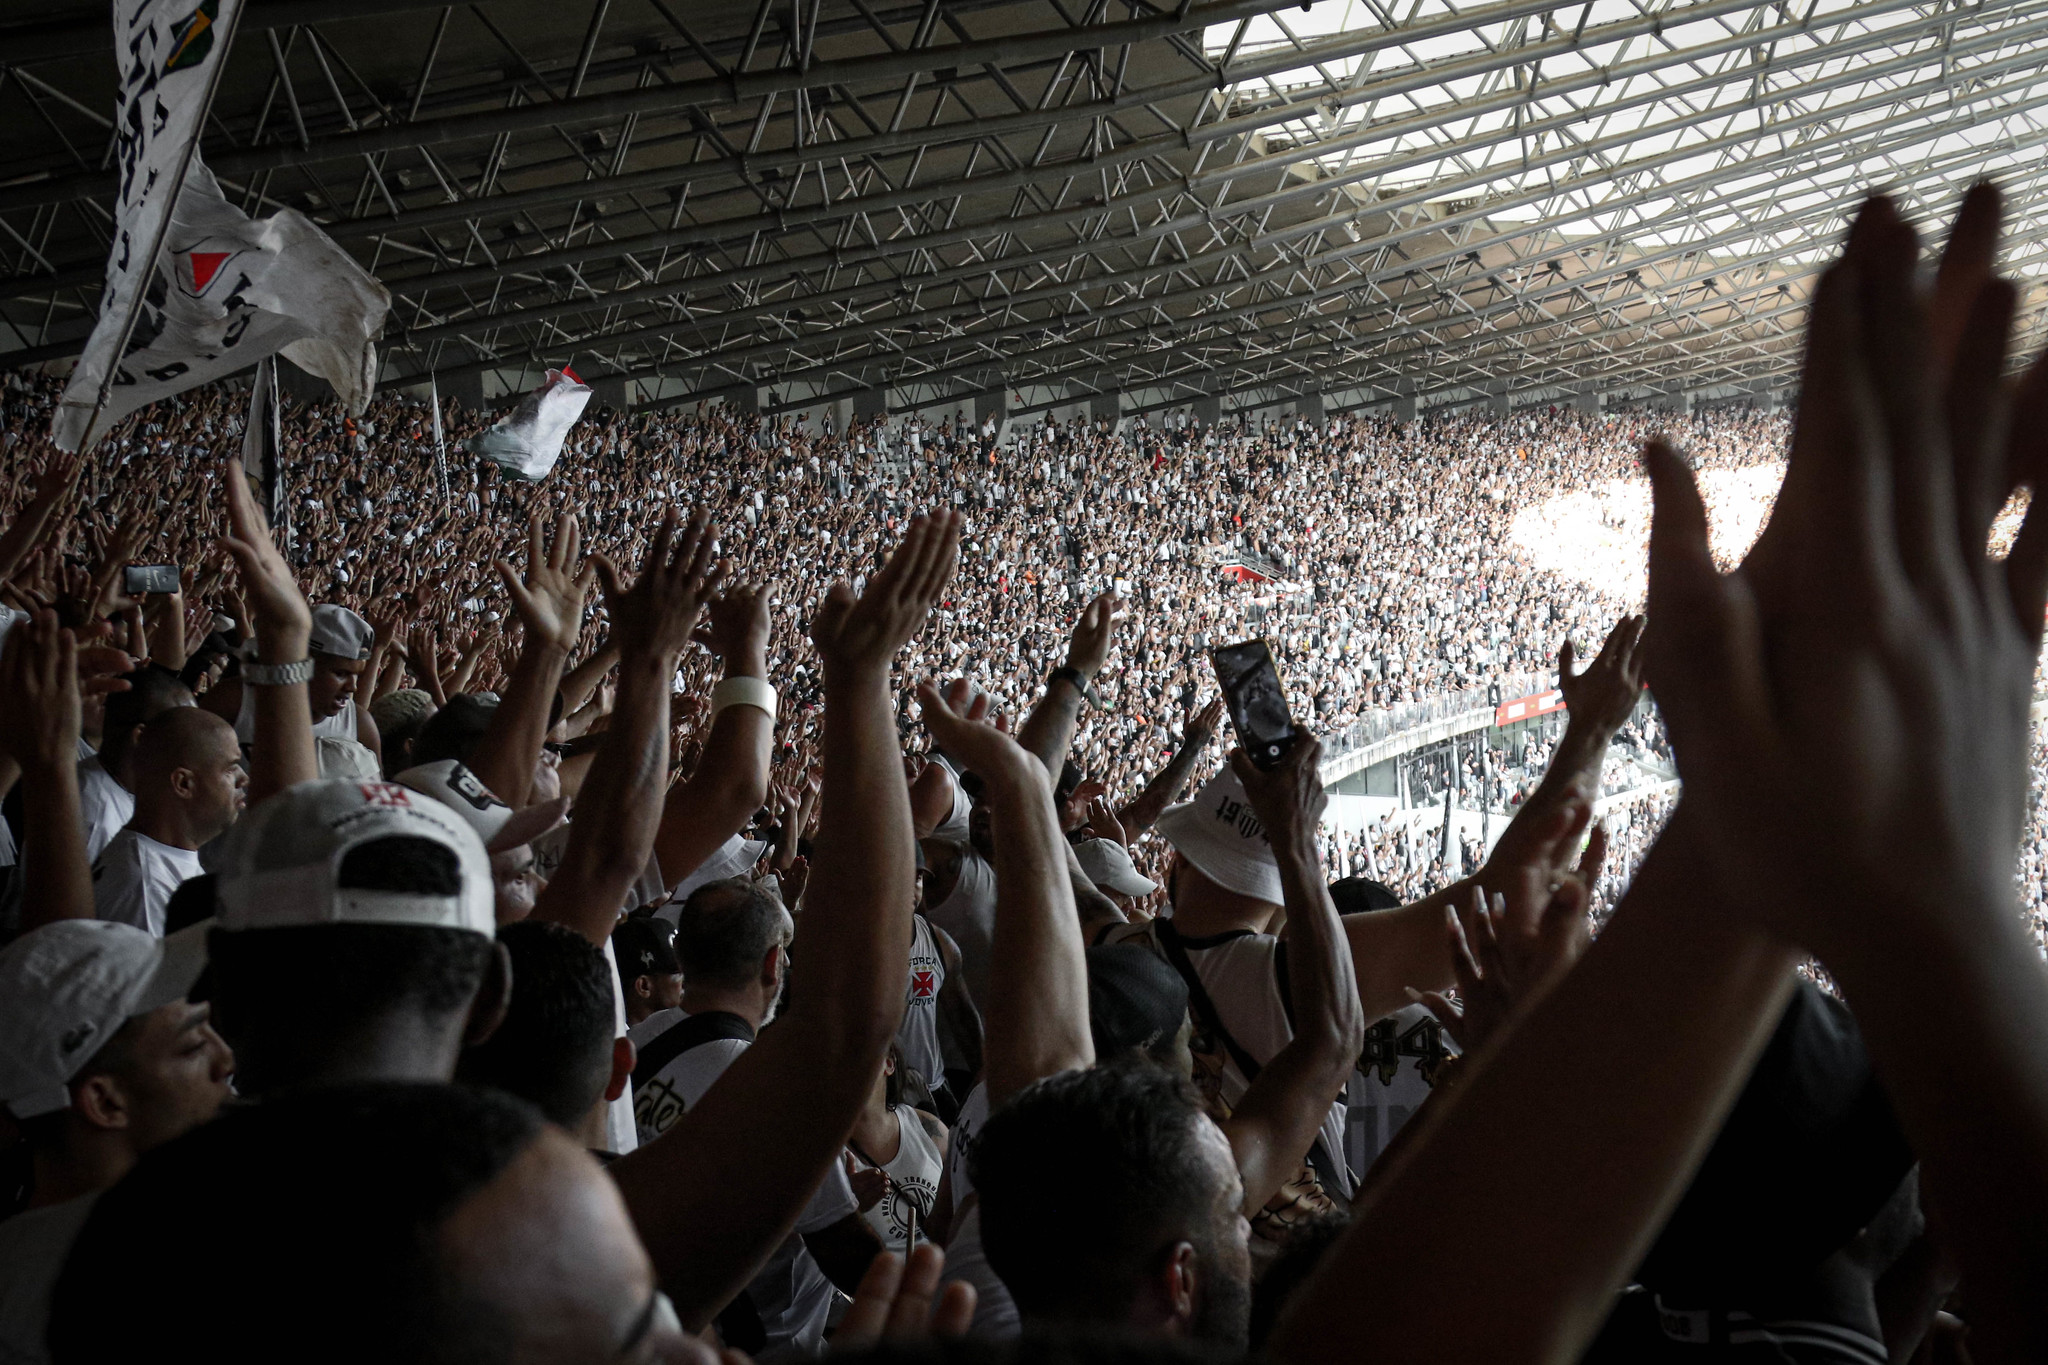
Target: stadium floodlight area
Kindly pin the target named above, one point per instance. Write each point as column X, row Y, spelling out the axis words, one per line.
column 1138, row 202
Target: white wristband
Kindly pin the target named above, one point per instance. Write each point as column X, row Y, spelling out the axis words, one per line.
column 743, row 692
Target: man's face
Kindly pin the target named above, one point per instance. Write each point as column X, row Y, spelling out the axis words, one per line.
column 517, row 883
column 219, row 784
column 333, row 683
column 1223, row 1300
column 175, row 1074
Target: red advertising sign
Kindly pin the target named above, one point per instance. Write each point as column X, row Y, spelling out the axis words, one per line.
column 1525, row 708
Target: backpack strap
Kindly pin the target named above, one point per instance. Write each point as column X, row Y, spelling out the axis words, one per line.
column 692, row 1031
column 1206, row 1014
column 1199, row 1000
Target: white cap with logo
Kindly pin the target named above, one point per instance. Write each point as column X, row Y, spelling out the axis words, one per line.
column 497, row 824
column 280, row 864
column 67, row 987
column 1225, row 842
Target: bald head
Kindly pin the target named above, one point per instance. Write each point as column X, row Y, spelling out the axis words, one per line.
column 188, row 778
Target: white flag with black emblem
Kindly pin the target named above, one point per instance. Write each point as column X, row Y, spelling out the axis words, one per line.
column 227, row 291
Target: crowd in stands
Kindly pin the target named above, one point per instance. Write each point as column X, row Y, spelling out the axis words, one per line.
column 766, row 890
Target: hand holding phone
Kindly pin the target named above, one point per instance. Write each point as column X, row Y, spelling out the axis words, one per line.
column 149, row 580
column 1257, row 701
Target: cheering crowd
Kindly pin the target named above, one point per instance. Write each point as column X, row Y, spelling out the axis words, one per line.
column 766, row 889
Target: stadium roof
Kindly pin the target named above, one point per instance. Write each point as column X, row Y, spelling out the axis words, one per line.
column 1054, row 199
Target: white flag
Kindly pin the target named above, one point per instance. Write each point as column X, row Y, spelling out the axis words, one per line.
column 528, row 440
column 227, row 291
column 263, row 445
column 168, row 55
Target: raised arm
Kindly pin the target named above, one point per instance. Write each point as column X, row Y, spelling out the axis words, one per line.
column 731, row 780
column 1137, row 815
column 282, row 753
column 1049, row 729
column 39, row 719
column 550, row 606
column 1277, row 1120
column 1526, row 1227
column 1854, row 722
column 619, row 804
column 717, row 1192
column 1036, row 1021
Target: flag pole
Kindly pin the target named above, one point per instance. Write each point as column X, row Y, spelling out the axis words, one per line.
column 440, row 442
column 163, row 228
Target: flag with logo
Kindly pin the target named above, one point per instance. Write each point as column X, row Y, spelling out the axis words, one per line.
column 227, row 291
column 168, row 55
column 196, row 289
column 527, row 441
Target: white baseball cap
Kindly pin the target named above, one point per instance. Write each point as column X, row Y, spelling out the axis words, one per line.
column 280, row 863
column 1111, row 868
column 67, row 987
column 1218, row 833
column 497, row 824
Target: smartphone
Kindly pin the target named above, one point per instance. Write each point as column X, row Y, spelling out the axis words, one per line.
column 1257, row 702
column 143, row 580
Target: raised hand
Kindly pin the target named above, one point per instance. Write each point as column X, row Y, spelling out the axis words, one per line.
column 1103, row 824
column 282, row 620
column 551, row 598
column 655, row 617
column 1486, row 998
column 863, row 635
column 1612, row 684
column 39, row 694
column 1203, row 726
column 736, row 623
column 1089, row 646
column 959, row 721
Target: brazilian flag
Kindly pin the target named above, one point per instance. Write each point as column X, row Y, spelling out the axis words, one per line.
column 192, row 37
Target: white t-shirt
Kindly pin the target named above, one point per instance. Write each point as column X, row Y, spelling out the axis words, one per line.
column 790, row 1293
column 1402, row 1051
column 1241, row 972
column 33, row 1246
column 620, row 1132
column 133, row 880
column 968, row 915
column 995, row 1312
column 105, row 803
column 913, row 1182
column 917, row 1037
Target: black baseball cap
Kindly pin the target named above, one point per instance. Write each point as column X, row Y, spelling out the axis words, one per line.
column 1135, row 999
column 645, row 947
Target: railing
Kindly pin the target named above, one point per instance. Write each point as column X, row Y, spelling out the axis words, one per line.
column 1416, row 715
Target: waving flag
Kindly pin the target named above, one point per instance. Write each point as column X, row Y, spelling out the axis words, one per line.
column 168, row 54
column 195, row 288
column 528, row 440
column 228, row 290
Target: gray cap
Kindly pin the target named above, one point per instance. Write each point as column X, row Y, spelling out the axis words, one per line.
column 67, row 987
column 340, row 633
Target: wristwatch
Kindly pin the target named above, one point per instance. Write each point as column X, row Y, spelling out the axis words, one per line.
column 278, row 675
column 1074, row 676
